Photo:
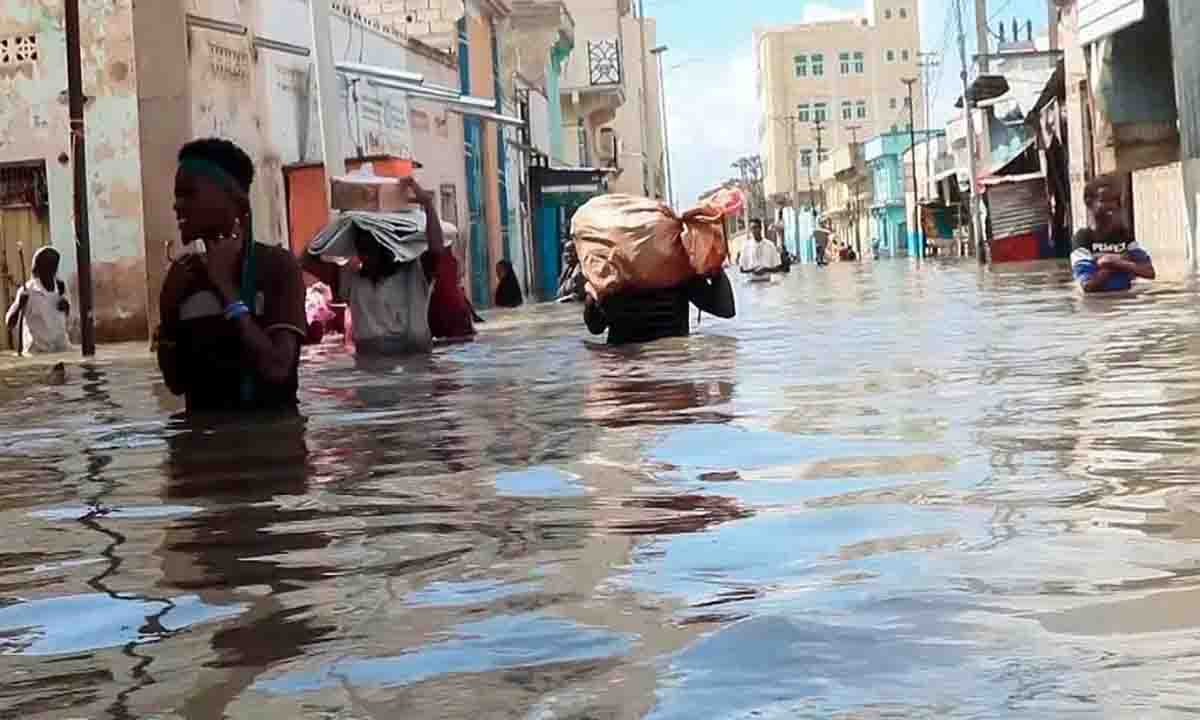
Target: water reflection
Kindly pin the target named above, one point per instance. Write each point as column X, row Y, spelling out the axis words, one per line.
column 883, row 490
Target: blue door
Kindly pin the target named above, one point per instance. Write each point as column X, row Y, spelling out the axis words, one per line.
column 549, row 256
column 473, row 137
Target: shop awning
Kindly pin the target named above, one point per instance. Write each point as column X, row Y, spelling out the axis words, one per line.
column 945, row 174
column 1099, row 19
column 1012, row 165
column 462, row 104
column 414, row 84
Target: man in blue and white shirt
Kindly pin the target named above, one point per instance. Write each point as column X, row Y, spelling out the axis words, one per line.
column 1106, row 257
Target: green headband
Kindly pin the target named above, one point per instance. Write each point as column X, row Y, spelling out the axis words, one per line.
column 214, row 172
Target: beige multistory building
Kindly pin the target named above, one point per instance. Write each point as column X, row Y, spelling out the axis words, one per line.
column 844, row 76
column 637, row 127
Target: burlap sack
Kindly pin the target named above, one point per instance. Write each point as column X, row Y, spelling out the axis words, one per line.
column 632, row 243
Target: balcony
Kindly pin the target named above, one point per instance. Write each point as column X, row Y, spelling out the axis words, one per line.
column 604, row 62
column 538, row 31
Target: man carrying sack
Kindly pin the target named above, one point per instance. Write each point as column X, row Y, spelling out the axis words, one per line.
column 644, row 265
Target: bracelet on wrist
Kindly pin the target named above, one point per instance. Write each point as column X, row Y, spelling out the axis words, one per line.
column 236, row 310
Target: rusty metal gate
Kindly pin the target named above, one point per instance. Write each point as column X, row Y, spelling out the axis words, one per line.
column 24, row 227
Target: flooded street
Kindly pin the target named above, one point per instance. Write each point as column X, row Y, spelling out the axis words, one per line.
column 885, row 490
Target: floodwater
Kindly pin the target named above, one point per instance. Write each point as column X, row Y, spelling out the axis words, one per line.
column 888, row 490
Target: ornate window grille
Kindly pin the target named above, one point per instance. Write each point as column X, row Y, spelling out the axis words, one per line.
column 604, row 62
column 18, row 50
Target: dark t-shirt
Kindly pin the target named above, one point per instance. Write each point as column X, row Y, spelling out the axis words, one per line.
column 650, row 315
column 209, row 357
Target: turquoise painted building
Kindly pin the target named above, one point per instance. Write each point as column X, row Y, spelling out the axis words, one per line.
column 890, row 231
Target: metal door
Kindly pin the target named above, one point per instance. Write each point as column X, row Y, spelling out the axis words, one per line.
column 23, row 230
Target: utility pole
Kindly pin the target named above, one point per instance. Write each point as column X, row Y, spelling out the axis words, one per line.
column 812, row 203
column 968, row 107
column 912, row 143
column 662, row 91
column 790, row 123
column 854, row 199
column 645, row 104
column 1052, row 23
column 928, row 65
column 982, row 47
column 83, row 240
column 981, row 35
column 817, row 128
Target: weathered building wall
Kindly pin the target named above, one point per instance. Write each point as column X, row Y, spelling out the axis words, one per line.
column 164, row 124
column 34, row 127
column 638, row 123
column 1161, row 221
column 1185, row 44
column 1078, row 110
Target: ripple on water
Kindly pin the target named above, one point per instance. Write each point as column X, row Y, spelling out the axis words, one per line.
column 500, row 643
column 80, row 623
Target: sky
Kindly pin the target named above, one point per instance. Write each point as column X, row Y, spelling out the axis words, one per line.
column 712, row 110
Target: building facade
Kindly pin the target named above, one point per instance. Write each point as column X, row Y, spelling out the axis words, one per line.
column 824, row 85
column 847, row 187
column 891, row 179
column 637, row 127
column 593, row 86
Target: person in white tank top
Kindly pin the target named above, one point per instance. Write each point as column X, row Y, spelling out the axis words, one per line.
column 41, row 309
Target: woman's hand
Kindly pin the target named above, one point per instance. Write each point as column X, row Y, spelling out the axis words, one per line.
column 222, row 262
column 420, row 195
column 181, row 279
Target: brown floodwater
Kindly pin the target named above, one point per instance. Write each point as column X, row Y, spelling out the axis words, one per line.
column 888, row 490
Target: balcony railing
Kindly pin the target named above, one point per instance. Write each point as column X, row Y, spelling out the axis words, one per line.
column 604, row 62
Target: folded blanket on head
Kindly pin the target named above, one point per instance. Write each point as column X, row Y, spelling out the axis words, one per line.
column 402, row 233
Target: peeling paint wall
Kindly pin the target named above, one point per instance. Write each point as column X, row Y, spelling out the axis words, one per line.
column 34, row 126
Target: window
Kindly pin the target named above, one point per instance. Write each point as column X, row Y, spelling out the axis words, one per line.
column 904, row 55
column 847, row 110
column 824, row 156
column 820, row 112
column 859, row 65
column 891, row 56
column 449, row 197
column 907, row 102
column 845, row 60
column 903, row 13
column 801, row 66
column 860, row 109
column 802, row 113
column 887, row 14
column 818, row 65
column 806, row 158
column 892, row 103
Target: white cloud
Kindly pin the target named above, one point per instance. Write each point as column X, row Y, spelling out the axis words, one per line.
column 713, row 116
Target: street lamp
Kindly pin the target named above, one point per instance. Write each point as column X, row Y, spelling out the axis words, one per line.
column 662, row 92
